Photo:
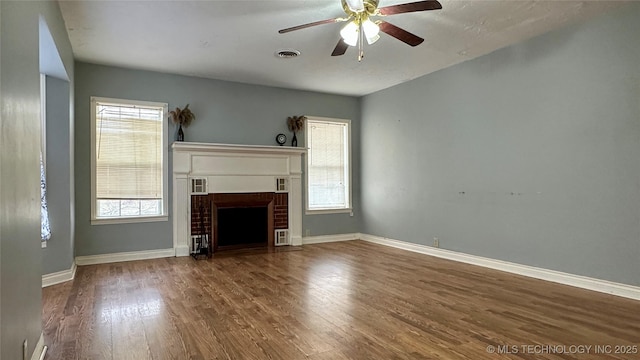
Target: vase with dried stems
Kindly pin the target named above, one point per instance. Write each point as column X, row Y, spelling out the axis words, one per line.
column 295, row 124
column 181, row 117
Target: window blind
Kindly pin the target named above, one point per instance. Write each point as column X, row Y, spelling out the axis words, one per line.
column 327, row 165
column 128, row 152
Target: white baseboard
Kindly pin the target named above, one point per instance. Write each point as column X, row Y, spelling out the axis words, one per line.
column 603, row 286
column 124, row 256
column 59, row 277
column 40, row 350
column 307, row 240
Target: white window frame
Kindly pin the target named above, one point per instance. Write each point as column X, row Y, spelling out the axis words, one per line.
column 165, row 164
column 348, row 180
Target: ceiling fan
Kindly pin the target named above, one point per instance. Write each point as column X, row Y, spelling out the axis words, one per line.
column 361, row 27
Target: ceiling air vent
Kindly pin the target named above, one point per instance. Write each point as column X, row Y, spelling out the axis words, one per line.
column 287, row 53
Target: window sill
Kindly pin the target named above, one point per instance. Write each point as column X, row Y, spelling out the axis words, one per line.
column 329, row 211
column 129, row 220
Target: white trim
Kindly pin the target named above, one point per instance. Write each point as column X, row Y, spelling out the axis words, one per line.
column 307, row 240
column 328, row 211
column 40, row 350
column 603, row 286
column 95, row 220
column 236, row 148
column 59, row 277
column 128, row 220
column 124, row 256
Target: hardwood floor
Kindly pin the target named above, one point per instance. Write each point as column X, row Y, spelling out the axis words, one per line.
column 348, row 300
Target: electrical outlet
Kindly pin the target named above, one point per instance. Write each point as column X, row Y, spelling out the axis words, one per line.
column 307, row 232
column 25, row 349
column 436, row 242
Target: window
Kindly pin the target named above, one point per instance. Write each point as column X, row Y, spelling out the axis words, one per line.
column 128, row 161
column 328, row 165
column 45, row 226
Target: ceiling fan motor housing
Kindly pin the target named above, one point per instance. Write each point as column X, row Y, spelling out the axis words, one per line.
column 370, row 7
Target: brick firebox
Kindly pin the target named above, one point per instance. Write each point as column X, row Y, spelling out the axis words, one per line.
column 204, row 215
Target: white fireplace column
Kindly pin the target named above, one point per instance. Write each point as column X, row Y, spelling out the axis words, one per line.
column 230, row 168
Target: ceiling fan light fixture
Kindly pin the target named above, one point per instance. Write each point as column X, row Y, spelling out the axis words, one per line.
column 371, row 40
column 349, row 33
column 371, row 31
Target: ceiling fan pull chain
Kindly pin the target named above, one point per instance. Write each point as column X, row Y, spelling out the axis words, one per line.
column 360, row 42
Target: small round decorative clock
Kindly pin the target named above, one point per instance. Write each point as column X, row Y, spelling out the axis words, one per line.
column 281, row 139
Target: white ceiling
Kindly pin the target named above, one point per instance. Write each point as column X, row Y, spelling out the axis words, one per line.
column 236, row 40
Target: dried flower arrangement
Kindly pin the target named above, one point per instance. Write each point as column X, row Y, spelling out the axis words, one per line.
column 296, row 123
column 182, row 117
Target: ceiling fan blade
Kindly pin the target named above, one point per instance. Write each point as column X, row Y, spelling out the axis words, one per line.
column 304, row 26
column 410, row 7
column 340, row 49
column 400, row 34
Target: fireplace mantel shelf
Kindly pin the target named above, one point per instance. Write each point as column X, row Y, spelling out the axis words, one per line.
column 236, row 148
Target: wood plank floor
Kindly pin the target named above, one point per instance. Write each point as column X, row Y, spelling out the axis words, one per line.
column 348, row 300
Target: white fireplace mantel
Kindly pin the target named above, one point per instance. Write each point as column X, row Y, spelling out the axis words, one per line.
column 230, row 168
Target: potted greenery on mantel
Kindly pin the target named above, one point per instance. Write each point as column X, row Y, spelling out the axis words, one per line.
column 181, row 117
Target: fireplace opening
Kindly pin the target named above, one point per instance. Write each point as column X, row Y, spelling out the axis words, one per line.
column 242, row 220
column 243, row 227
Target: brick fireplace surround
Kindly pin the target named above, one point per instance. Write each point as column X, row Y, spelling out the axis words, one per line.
column 228, row 172
column 204, row 219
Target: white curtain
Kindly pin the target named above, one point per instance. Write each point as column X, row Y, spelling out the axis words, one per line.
column 45, row 229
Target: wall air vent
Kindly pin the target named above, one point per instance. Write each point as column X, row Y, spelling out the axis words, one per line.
column 198, row 186
column 282, row 237
column 282, row 185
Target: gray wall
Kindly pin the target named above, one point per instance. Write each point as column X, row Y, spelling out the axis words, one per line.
column 226, row 113
column 58, row 255
column 528, row 154
column 20, row 253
